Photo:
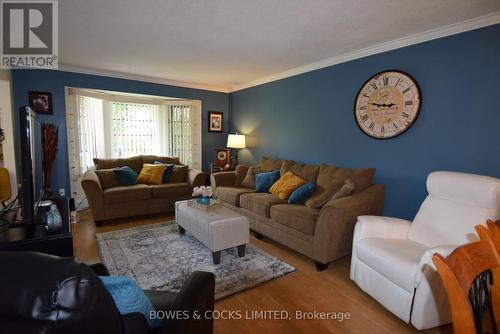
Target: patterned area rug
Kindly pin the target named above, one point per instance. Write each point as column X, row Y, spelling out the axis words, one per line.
column 158, row 257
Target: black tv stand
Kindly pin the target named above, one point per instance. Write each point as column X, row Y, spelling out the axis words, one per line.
column 34, row 237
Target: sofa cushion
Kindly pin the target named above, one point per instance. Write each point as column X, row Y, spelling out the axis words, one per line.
column 268, row 164
column 249, row 180
column 308, row 172
column 171, row 190
column 178, row 174
column 362, row 177
column 298, row 217
column 133, row 162
column 260, row 203
column 232, row 195
column 107, row 178
column 150, row 159
column 126, row 194
column 395, row 259
column 286, row 185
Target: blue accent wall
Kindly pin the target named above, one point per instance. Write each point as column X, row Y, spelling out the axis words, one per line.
column 56, row 81
column 310, row 117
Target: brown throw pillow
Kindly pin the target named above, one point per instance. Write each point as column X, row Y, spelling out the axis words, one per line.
column 361, row 177
column 179, row 174
column 107, row 178
column 323, row 194
column 249, row 180
column 241, row 172
column 347, row 189
column 133, row 162
column 308, row 172
column 269, row 165
column 151, row 159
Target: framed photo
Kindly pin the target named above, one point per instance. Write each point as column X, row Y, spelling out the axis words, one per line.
column 215, row 120
column 41, row 102
column 215, row 168
column 222, row 156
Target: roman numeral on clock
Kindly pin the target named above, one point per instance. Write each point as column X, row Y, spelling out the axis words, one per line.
column 394, row 124
column 374, row 85
column 362, row 108
column 408, row 103
column 406, row 90
column 397, row 82
column 386, row 81
column 404, row 114
column 364, row 117
column 372, row 125
column 382, row 129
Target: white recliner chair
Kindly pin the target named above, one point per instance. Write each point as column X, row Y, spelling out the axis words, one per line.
column 392, row 258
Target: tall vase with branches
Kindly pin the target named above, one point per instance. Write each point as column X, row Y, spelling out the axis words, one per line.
column 50, row 138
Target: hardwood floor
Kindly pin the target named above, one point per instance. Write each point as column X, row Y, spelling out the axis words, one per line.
column 304, row 290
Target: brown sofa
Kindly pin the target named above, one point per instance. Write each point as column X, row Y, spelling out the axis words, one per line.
column 323, row 234
column 109, row 200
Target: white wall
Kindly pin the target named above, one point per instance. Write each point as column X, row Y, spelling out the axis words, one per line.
column 7, row 125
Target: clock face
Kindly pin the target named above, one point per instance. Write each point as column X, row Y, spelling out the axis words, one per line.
column 222, row 155
column 387, row 104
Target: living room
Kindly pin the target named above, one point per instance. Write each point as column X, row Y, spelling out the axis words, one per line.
column 221, row 166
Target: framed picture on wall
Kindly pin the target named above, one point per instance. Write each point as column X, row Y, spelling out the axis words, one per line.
column 41, row 102
column 215, row 120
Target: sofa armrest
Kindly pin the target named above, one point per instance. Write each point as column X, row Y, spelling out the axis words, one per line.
column 195, row 177
column 334, row 228
column 222, row 179
column 94, row 193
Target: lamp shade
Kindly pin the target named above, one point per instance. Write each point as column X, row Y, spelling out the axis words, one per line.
column 236, row 141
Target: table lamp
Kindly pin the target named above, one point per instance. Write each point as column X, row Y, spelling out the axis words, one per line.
column 235, row 142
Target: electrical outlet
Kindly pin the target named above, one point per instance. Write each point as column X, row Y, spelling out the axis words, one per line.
column 62, row 192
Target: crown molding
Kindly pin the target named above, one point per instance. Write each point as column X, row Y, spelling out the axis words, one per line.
column 452, row 29
column 136, row 77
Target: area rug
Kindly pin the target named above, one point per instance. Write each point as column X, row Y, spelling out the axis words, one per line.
column 158, row 257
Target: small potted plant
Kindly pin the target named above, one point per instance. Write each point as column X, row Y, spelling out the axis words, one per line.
column 202, row 194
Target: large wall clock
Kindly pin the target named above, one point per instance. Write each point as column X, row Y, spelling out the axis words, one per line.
column 387, row 104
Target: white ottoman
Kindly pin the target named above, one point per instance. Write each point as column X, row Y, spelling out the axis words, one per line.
column 218, row 228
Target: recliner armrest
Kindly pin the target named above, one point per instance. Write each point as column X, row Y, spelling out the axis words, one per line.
column 426, row 260
column 195, row 177
column 381, row 227
column 197, row 299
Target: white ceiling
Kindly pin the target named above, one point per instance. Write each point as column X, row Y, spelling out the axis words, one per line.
column 229, row 43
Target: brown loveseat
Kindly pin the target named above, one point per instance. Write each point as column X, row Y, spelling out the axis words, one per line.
column 323, row 234
column 108, row 199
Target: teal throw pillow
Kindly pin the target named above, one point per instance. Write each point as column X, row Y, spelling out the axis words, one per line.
column 264, row 181
column 302, row 193
column 168, row 170
column 129, row 297
column 126, row 175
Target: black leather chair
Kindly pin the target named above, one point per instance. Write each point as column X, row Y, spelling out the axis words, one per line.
column 47, row 294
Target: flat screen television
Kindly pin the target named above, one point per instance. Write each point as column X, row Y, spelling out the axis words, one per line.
column 27, row 136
